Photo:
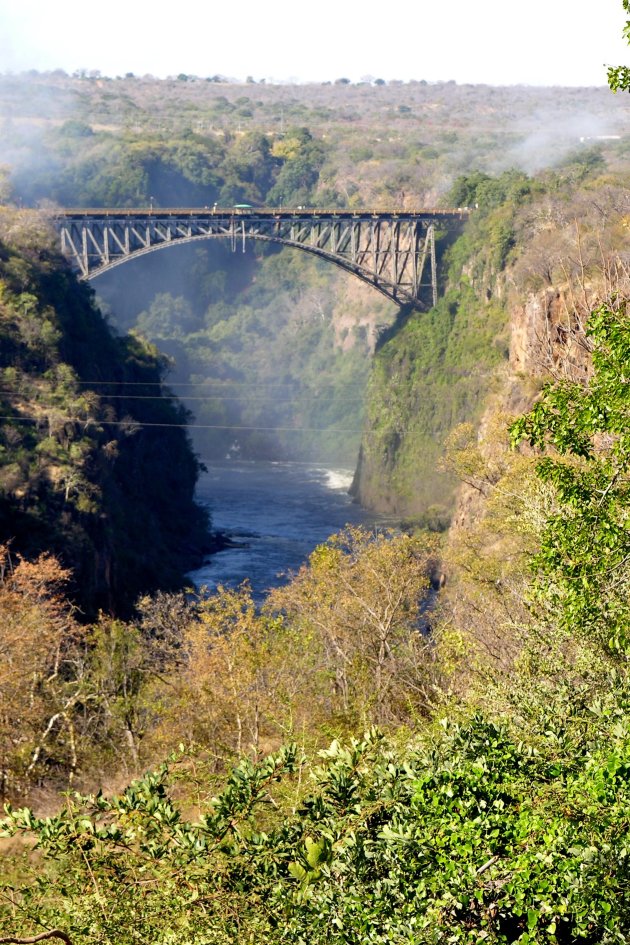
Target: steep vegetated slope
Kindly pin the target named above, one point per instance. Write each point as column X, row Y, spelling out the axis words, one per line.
column 534, row 254
column 572, row 252
column 432, row 375
column 88, row 471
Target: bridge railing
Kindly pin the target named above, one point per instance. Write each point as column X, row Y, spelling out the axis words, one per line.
column 276, row 212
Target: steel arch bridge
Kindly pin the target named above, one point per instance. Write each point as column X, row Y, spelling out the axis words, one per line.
column 391, row 250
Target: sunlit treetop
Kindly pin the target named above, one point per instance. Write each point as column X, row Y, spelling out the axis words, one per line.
column 619, row 76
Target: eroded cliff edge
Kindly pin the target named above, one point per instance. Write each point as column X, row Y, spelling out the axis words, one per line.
column 520, row 282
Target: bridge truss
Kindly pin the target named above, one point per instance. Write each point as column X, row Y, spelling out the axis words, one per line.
column 393, row 251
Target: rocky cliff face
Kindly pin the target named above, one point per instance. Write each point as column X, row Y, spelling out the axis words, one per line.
column 546, row 341
column 482, row 352
column 434, row 373
column 546, row 333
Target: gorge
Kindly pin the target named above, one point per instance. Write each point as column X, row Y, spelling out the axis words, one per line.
column 332, row 755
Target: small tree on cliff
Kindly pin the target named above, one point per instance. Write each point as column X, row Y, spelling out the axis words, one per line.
column 583, row 566
column 619, row 76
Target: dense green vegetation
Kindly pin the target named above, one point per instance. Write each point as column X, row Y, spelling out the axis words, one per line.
column 479, row 835
column 87, row 471
column 584, row 546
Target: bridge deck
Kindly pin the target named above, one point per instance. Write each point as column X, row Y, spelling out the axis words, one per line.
column 278, row 213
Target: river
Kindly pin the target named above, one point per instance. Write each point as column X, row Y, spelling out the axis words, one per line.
column 274, row 513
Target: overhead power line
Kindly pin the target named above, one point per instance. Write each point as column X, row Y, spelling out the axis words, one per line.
column 208, row 397
column 202, row 383
column 185, row 426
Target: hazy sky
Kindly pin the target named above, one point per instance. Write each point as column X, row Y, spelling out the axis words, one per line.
column 502, row 42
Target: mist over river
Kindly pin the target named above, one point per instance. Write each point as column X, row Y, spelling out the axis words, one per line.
column 275, row 514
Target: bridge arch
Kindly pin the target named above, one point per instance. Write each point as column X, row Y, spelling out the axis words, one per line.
column 392, row 251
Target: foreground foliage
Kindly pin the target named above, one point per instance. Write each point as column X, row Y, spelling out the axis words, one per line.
column 475, row 835
column 619, row 76
column 583, row 563
column 337, row 649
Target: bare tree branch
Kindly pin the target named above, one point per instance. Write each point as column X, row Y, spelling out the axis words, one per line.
column 54, row 933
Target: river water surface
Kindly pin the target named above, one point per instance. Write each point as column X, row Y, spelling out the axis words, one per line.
column 275, row 514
